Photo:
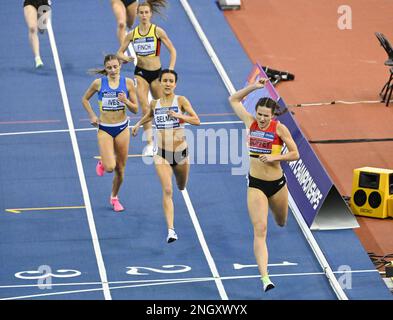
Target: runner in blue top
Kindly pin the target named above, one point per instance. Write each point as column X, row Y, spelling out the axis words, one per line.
column 115, row 93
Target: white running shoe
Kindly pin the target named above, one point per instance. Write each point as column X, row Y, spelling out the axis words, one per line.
column 148, row 151
column 172, row 236
column 267, row 284
column 38, row 62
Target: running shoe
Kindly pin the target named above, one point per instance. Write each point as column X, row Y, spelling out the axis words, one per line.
column 172, row 236
column 148, row 151
column 38, row 62
column 116, row 204
column 100, row 170
column 267, row 284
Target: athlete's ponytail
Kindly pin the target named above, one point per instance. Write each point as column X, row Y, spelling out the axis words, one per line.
column 270, row 104
column 154, row 5
column 103, row 72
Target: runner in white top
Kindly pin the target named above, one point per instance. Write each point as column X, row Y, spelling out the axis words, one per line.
column 170, row 113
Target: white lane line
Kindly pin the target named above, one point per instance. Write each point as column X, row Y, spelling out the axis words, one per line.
column 157, row 282
column 112, row 288
column 238, row 266
column 338, row 290
column 206, row 43
column 94, row 129
column 82, row 179
column 205, row 248
column 32, row 132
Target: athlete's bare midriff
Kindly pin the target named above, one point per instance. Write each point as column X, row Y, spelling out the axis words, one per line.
column 171, row 139
column 149, row 63
column 111, row 117
column 265, row 171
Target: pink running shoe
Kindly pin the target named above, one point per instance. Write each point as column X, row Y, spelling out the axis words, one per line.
column 100, row 170
column 116, row 204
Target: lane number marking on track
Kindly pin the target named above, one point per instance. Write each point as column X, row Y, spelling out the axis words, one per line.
column 37, row 274
column 167, row 269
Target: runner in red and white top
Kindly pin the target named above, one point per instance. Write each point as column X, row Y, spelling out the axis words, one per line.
column 266, row 181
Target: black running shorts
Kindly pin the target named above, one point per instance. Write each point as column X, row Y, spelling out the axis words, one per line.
column 37, row 3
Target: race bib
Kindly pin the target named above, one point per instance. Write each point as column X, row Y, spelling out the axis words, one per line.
column 261, row 142
column 163, row 120
column 144, row 46
column 110, row 102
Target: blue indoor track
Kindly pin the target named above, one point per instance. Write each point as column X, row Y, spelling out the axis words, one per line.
column 50, row 221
